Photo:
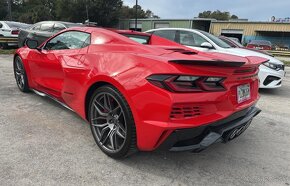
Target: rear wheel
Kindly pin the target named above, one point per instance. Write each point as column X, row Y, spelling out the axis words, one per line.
column 20, row 75
column 112, row 122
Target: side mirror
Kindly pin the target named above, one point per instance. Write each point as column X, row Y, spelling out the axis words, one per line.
column 206, row 45
column 32, row 44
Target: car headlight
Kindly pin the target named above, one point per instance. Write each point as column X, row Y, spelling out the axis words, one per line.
column 274, row 66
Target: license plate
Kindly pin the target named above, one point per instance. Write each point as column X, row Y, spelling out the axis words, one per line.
column 244, row 93
column 259, row 48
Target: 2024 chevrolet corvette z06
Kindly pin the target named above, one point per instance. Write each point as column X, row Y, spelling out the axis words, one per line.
column 142, row 97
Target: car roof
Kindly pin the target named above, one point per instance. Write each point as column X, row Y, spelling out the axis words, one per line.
column 67, row 24
column 180, row 29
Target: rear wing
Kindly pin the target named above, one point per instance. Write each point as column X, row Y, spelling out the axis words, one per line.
column 252, row 61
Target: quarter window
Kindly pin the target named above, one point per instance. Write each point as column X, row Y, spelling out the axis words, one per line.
column 46, row 27
column 37, row 27
column 168, row 34
column 69, row 40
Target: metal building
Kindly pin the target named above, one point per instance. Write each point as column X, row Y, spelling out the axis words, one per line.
column 277, row 33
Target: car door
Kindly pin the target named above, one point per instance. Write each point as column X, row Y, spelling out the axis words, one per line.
column 191, row 39
column 47, row 65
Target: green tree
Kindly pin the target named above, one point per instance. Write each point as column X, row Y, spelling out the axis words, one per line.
column 217, row 15
column 3, row 9
column 104, row 12
column 130, row 13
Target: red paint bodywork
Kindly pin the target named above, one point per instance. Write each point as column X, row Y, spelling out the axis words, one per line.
column 68, row 75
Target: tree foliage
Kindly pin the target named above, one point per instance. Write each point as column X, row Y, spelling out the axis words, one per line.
column 130, row 13
column 104, row 12
column 219, row 15
column 3, row 9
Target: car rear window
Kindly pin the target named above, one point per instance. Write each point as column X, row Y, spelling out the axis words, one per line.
column 138, row 38
column 260, row 42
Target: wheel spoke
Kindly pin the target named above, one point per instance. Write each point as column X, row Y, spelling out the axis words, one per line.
column 113, row 139
column 106, row 138
column 107, row 103
column 118, row 132
column 115, row 110
column 96, row 104
column 100, row 125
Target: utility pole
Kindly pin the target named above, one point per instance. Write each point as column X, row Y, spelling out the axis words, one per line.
column 136, row 18
column 9, row 10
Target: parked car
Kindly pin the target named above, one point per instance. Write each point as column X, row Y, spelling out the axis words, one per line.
column 10, row 29
column 271, row 74
column 42, row 31
column 142, row 96
column 260, row 45
column 235, row 44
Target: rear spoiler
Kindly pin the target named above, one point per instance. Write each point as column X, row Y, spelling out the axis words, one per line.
column 218, row 63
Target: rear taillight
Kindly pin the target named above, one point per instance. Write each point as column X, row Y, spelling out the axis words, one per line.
column 250, row 46
column 187, row 84
column 15, row 32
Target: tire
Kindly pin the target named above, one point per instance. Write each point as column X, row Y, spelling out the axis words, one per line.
column 20, row 75
column 112, row 123
column 5, row 46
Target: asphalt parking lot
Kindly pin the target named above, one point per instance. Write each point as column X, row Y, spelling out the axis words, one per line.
column 42, row 143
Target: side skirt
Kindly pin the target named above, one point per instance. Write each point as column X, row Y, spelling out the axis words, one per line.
column 42, row 94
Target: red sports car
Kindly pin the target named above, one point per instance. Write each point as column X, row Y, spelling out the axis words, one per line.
column 142, row 97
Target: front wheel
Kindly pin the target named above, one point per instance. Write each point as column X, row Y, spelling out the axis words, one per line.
column 20, row 75
column 112, row 122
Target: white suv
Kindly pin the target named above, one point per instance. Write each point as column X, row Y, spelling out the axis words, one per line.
column 271, row 73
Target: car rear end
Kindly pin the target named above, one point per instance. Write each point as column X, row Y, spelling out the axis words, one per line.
column 260, row 45
column 198, row 103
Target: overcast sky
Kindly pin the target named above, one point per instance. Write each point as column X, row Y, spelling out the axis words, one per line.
column 255, row 10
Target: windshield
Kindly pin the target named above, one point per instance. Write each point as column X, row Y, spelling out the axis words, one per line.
column 216, row 40
column 237, row 43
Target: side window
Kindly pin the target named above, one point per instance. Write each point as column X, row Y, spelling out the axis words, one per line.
column 1, row 25
column 167, row 34
column 46, row 27
column 58, row 27
column 69, row 40
column 37, row 27
column 191, row 39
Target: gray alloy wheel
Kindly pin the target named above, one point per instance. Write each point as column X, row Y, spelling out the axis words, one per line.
column 20, row 75
column 112, row 123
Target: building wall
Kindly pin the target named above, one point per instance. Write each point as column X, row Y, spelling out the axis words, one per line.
column 249, row 28
column 252, row 31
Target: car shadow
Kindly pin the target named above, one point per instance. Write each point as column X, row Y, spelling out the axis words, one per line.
column 281, row 92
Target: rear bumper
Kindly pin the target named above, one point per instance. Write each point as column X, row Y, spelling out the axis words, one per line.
column 198, row 139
